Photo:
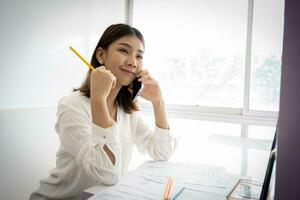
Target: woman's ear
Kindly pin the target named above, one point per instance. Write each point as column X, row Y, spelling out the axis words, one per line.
column 100, row 54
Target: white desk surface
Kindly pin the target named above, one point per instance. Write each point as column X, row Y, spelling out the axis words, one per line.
column 243, row 156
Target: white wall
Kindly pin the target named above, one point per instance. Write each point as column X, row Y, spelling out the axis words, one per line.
column 37, row 68
column 28, row 147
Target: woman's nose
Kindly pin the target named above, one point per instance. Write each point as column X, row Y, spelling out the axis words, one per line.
column 131, row 61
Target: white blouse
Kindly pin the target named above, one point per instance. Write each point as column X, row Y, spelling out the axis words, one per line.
column 81, row 160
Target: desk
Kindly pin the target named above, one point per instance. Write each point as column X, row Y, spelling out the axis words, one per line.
column 242, row 156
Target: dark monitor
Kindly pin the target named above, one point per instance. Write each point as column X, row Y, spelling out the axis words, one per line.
column 266, row 183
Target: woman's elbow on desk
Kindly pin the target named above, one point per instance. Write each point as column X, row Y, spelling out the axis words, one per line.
column 104, row 172
column 111, row 181
column 162, row 154
column 165, row 151
column 107, row 177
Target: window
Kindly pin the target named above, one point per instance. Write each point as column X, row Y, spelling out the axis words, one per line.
column 266, row 54
column 215, row 58
column 197, row 48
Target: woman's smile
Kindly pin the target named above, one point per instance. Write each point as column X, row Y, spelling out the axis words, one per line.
column 128, row 72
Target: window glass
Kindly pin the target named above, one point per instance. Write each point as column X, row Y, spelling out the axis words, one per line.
column 266, row 54
column 195, row 48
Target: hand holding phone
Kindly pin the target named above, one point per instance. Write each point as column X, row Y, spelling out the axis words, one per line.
column 136, row 88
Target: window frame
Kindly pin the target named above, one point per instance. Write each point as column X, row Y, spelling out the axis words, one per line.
column 243, row 116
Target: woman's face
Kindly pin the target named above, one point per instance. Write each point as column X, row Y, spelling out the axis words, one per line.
column 124, row 58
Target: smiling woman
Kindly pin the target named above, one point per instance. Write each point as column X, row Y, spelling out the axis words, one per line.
column 123, row 58
column 98, row 124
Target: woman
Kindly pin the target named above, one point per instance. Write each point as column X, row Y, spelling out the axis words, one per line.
column 98, row 123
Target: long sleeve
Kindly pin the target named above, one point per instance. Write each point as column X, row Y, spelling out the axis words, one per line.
column 84, row 141
column 159, row 143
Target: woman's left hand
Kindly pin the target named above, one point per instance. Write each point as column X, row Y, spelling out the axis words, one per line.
column 151, row 90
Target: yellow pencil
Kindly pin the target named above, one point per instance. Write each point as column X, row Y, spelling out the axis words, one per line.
column 86, row 62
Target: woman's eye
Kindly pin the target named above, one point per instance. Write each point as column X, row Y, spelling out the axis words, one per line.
column 124, row 51
column 140, row 57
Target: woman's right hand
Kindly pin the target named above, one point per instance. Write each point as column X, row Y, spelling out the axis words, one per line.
column 102, row 81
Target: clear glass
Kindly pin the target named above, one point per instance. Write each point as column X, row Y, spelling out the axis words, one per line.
column 261, row 132
column 258, row 170
column 266, row 54
column 195, row 49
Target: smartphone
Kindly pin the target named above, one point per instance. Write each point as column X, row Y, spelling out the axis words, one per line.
column 136, row 87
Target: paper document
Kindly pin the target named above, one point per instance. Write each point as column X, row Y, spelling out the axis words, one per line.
column 149, row 181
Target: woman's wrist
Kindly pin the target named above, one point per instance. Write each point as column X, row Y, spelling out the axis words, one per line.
column 100, row 113
column 98, row 99
column 158, row 103
column 160, row 114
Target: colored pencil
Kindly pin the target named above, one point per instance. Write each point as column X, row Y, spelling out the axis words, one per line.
column 86, row 62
